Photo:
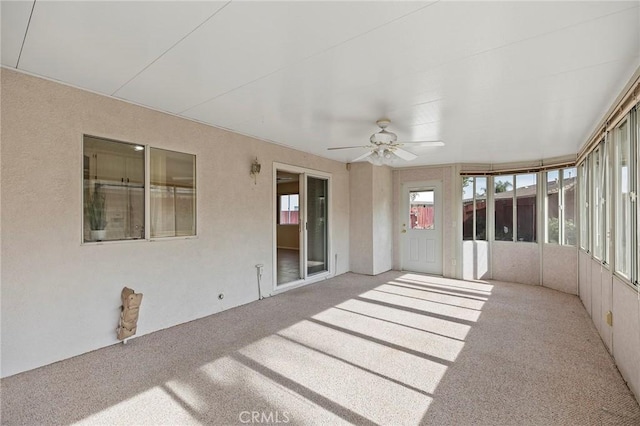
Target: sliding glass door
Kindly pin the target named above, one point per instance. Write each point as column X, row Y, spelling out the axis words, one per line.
column 302, row 244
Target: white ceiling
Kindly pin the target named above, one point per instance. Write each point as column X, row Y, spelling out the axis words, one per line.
column 496, row 81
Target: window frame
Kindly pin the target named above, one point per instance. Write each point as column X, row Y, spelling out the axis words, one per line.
column 618, row 197
column 514, row 223
column 147, row 203
column 148, row 184
column 596, row 228
column 562, row 207
column 474, row 212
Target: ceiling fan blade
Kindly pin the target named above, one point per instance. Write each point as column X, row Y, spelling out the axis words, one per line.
column 422, row 143
column 405, row 155
column 349, row 147
column 362, row 157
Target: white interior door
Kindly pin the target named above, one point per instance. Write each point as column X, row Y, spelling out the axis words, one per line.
column 421, row 227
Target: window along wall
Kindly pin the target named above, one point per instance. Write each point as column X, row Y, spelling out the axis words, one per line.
column 560, row 206
column 516, row 209
column 609, row 214
column 116, row 185
column 474, row 208
column 503, row 214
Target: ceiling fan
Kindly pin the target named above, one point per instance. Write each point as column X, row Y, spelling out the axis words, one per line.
column 385, row 148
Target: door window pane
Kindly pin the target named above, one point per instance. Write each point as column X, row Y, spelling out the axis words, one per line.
column 422, row 209
column 172, row 194
column 317, row 247
column 113, row 190
column 526, row 196
column 503, row 197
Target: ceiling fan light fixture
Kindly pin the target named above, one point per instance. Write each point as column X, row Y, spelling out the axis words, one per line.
column 382, row 157
column 375, row 158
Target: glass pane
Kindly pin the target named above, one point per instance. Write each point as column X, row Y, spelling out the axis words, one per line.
column 601, row 205
column 553, row 207
column 481, row 208
column 172, row 194
column 503, row 197
column 113, row 190
column 623, row 201
column 289, row 209
column 422, row 209
column 317, row 255
column 584, row 205
column 467, row 208
column 526, row 195
column 569, row 206
column 596, row 197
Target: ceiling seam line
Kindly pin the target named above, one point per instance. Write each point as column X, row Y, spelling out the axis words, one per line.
column 310, row 56
column 438, row 66
column 26, row 31
column 545, row 34
column 170, row 48
column 453, row 61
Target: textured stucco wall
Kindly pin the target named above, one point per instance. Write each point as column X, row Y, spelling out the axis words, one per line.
column 600, row 292
column 475, row 260
column 584, row 279
column 361, row 220
column 626, row 333
column 560, row 268
column 61, row 298
column 382, row 219
column 446, row 175
column 515, row 262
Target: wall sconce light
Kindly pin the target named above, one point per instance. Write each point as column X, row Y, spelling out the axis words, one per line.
column 255, row 170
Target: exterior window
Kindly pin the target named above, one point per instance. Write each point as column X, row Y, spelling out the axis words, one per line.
column 113, row 194
column 526, row 217
column 289, row 209
column 553, row 207
column 474, row 208
column 422, row 209
column 584, row 205
column 515, row 207
column 568, row 206
column 624, row 208
column 172, row 194
column 603, row 216
column 561, row 188
column 503, row 199
column 596, row 197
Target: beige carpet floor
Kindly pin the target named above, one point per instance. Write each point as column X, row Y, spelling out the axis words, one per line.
column 396, row 349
